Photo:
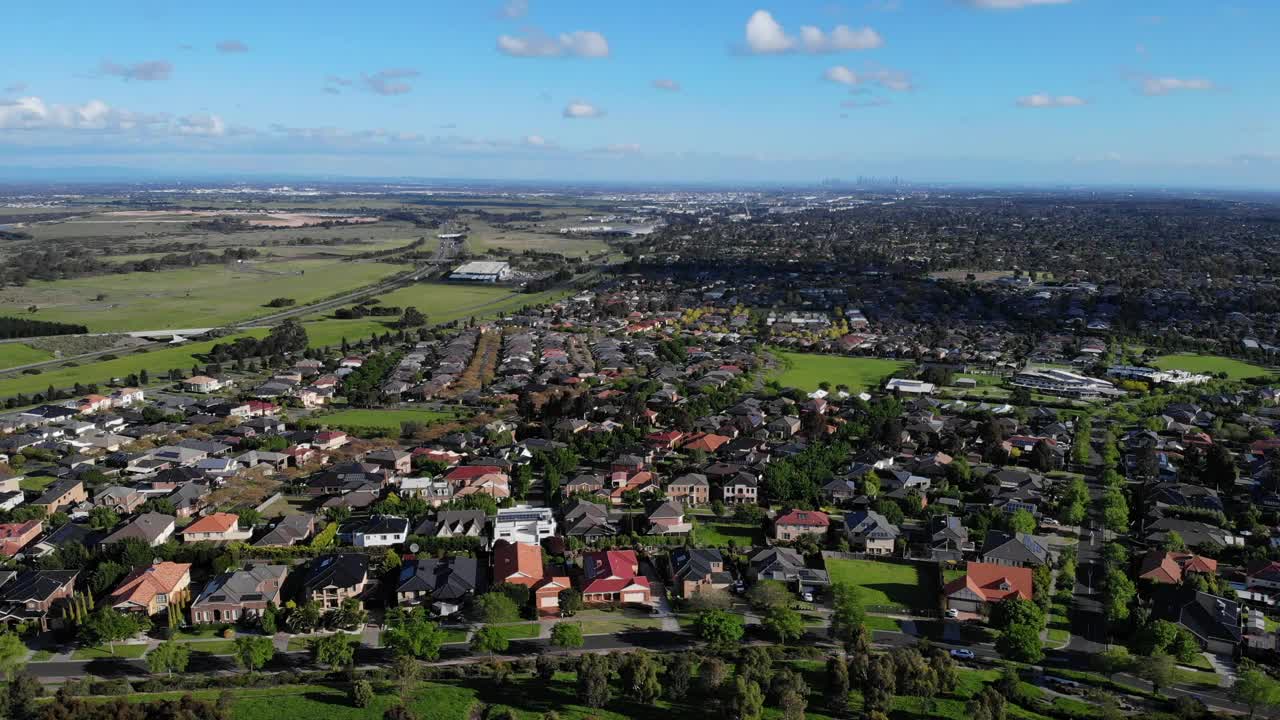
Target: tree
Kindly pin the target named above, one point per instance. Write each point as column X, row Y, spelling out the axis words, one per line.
column 640, row 677
column 489, row 640
column 1020, row 643
column 1016, row 611
column 414, row 635
column 1117, row 595
column 1022, row 521
column 847, row 615
column 785, row 624
column 103, row 518
column 1173, row 542
column 711, row 675
column 593, row 681
column 169, row 657
column 746, row 702
column 412, row 317
column 1157, row 670
column 570, row 601
column 253, row 652
column 1112, row 661
column 767, row 594
column 1255, row 689
column 719, row 628
column 679, row 675
column 361, row 694
column 566, row 635
column 496, row 607
column 24, row 688
column 107, row 625
column 336, row 650
column 837, row 684
column 13, row 654
column 1156, row 637
column 879, row 684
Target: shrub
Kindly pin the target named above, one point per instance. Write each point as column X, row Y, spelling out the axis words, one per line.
column 361, row 694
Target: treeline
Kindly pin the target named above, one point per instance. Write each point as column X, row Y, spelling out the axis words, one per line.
column 58, row 263
column 12, row 327
column 362, row 387
column 287, row 337
column 365, row 309
column 562, row 275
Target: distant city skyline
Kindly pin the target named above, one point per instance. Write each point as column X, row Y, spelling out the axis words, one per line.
column 1054, row 92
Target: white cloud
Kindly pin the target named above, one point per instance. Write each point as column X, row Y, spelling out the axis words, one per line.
column 535, row 43
column 390, row 81
column 766, row 36
column 1012, row 4
column 1166, row 85
column 895, row 80
column 1045, row 100
column 580, row 109
column 538, row 141
column 146, row 71
column 667, row 84
column 515, row 9
column 34, row 114
column 232, row 46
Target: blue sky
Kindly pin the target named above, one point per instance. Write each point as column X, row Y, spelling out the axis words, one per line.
column 1171, row 92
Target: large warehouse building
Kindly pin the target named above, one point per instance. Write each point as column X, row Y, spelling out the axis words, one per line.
column 480, row 271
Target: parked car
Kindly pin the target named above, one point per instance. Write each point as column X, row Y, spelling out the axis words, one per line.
column 952, row 613
column 962, row 654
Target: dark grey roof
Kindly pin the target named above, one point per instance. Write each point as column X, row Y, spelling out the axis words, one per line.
column 448, row 579
column 343, row 571
column 1019, row 548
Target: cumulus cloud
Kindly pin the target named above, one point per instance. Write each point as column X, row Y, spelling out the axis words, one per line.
column 667, row 84
column 147, row 71
column 232, row 46
column 580, row 109
column 390, row 81
column 536, row 44
column 514, row 9
column 35, row 114
column 895, row 80
column 1166, row 85
column 1012, row 4
column 766, row 36
column 1045, row 100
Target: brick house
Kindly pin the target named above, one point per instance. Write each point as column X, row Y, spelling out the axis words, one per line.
column 150, row 589
column 798, row 523
column 239, row 593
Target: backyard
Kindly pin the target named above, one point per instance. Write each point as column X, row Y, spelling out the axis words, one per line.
column 886, row 584
column 805, row 371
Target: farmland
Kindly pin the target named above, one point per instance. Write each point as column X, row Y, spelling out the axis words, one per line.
column 1211, row 364
column 207, row 296
column 806, row 371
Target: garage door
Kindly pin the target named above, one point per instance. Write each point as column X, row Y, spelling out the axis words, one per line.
column 550, row 601
column 969, row 606
column 633, row 597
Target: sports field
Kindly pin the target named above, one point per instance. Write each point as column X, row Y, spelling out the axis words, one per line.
column 206, row 296
column 1211, row 364
column 383, row 419
column 806, row 371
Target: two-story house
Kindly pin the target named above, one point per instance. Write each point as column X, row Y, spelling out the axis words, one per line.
column 239, row 594
column 334, row 578
column 151, row 589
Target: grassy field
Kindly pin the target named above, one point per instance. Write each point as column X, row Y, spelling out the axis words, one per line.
column 885, row 583
column 1212, row 364
column 718, row 534
column 442, row 302
column 806, row 371
column 15, row 354
column 385, row 419
column 206, row 296
column 156, row 363
column 99, row 653
column 522, row 631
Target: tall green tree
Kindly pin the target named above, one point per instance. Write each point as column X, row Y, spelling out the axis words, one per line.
column 169, row 657
column 252, row 652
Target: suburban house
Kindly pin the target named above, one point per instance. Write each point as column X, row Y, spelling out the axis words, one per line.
column 588, row 521
column 1264, row 578
column 394, row 461
column 524, row 524
column 150, row 589
column 787, row 566
column 694, row 570
column 379, row 531
column 239, row 593
column 613, row 576
column 949, row 539
column 289, row 530
column 334, row 578
column 16, row 536
column 741, row 489
column 154, row 529
column 691, row 489
column 218, row 527
column 123, row 500
column 64, row 492
column 521, row 564
column 1015, row 549
column 1171, row 568
column 870, row 532
column 799, row 523
column 668, row 519
column 985, row 584
column 203, row 384
column 1214, row 621
column 33, row 596
column 454, row 523
column 445, row 583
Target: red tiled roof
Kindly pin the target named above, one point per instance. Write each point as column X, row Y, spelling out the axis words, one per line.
column 807, row 518
column 994, row 583
column 471, row 472
column 517, row 562
column 215, row 523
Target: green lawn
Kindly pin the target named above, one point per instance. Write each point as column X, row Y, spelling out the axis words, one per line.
column 36, row 484
column 621, row 624
column 206, row 296
column 14, row 354
column 806, row 371
column 41, row 656
column 522, row 631
column 156, row 362
column 213, row 647
column 1235, row 369
column 888, row 584
column 718, row 534
column 98, row 653
column 879, row 622
column 384, row 419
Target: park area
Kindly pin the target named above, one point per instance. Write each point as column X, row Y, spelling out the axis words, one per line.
column 1211, row 365
column 884, row 585
column 806, row 371
column 384, row 420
